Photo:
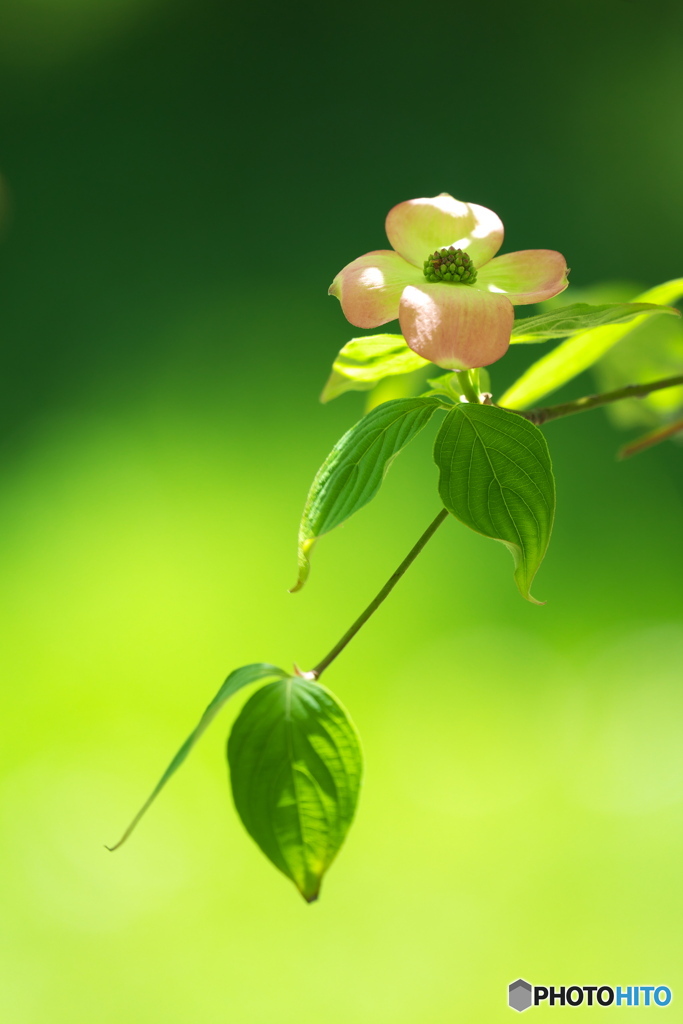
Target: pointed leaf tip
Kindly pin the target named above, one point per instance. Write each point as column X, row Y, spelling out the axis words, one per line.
column 352, row 473
column 305, row 546
column 295, row 769
column 496, row 477
column 241, row 677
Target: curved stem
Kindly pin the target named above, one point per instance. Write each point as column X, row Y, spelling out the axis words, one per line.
column 537, row 416
column 553, row 412
column 381, row 596
column 466, row 383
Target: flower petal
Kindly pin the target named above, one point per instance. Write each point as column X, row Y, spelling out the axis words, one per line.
column 369, row 289
column 456, row 326
column 530, row 275
column 419, row 226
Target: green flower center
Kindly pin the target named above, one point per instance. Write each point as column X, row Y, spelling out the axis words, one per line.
column 450, row 264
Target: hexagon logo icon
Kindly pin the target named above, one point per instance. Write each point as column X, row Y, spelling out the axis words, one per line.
column 519, row 995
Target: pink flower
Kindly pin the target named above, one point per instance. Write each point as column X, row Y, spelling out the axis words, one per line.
column 453, row 299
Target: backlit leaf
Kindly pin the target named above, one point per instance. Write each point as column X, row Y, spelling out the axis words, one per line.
column 295, row 767
column 653, row 352
column 364, row 361
column 496, row 477
column 352, row 473
column 576, row 354
column 580, row 316
column 235, row 681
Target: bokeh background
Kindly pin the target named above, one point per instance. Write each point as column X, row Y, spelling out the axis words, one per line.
column 181, row 181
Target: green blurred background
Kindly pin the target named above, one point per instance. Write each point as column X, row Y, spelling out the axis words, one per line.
column 183, row 178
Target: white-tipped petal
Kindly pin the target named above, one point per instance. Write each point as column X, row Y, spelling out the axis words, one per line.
column 418, row 227
column 370, row 288
column 530, row 275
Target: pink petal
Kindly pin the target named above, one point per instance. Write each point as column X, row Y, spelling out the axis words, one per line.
column 454, row 325
column 369, row 289
column 419, row 226
column 530, row 275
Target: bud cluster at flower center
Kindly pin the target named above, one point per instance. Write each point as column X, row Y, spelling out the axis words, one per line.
column 450, row 264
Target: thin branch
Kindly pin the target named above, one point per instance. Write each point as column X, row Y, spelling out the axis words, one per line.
column 377, row 601
column 651, row 439
column 537, row 416
column 553, row 412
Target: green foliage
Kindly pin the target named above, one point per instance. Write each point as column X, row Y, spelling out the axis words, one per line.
column 496, row 477
column 406, row 385
column 447, row 385
column 364, row 361
column 653, row 352
column 352, row 473
column 581, row 351
column 236, row 681
column 295, row 766
column 580, row 316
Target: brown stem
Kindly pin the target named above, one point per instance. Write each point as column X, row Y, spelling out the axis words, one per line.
column 553, row 412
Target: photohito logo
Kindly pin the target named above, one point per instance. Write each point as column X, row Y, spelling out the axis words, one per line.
column 522, row 994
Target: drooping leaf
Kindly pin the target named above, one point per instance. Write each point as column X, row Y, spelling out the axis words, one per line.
column 496, row 477
column 295, row 767
column 352, row 473
column 576, row 354
column 364, row 361
column 236, row 680
column 650, row 440
column 580, row 316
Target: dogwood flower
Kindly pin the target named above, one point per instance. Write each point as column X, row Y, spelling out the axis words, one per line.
column 453, row 296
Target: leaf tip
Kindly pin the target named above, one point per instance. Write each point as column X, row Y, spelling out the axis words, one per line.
column 331, row 389
column 301, row 579
column 304, row 564
column 311, row 895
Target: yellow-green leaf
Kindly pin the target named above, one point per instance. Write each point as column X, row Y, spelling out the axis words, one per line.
column 364, row 361
column 576, row 354
column 295, row 768
column 495, row 476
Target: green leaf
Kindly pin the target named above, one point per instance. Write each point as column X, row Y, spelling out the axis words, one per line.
column 496, row 477
column 580, row 316
column 576, row 354
column 352, row 473
column 235, row 681
column 364, row 361
column 653, row 352
column 407, row 385
column 295, row 767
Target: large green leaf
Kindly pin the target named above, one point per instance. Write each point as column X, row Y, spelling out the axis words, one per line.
column 496, row 477
column 576, row 354
column 580, row 316
column 235, row 681
column 295, row 767
column 364, row 361
column 352, row 473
